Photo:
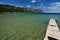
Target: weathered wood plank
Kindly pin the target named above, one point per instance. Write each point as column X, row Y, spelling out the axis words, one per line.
column 52, row 30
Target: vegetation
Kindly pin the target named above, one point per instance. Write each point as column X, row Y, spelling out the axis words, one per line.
column 9, row 8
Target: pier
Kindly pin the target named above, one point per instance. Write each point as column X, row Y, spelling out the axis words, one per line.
column 52, row 32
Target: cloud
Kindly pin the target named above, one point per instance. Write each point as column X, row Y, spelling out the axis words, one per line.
column 53, row 8
column 56, row 3
column 52, row 11
column 28, row 6
column 12, row 4
column 18, row 5
column 40, row 6
column 2, row 3
column 33, row 1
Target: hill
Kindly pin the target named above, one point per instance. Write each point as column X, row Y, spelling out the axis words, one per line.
column 10, row 8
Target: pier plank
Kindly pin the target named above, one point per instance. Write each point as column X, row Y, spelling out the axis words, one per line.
column 52, row 30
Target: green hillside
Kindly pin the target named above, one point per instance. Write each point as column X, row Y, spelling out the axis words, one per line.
column 10, row 8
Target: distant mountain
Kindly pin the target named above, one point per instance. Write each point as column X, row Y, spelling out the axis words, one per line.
column 10, row 8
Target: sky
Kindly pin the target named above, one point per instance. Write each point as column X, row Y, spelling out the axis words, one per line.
column 48, row 6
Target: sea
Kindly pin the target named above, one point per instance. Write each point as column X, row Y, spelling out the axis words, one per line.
column 25, row 25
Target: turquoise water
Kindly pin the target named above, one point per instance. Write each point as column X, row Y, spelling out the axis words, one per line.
column 25, row 26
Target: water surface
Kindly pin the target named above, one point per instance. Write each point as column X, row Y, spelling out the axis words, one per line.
column 25, row 26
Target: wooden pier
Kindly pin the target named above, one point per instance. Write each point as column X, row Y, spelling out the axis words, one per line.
column 52, row 32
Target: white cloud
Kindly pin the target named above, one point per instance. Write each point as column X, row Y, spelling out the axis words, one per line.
column 44, row 7
column 33, row 1
column 28, row 6
column 12, row 4
column 52, row 11
column 18, row 5
column 53, row 7
column 57, row 3
column 40, row 6
column 2, row 3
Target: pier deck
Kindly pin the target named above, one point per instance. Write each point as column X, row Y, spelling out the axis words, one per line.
column 52, row 31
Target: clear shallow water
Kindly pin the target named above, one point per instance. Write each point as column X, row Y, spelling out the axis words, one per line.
column 25, row 26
